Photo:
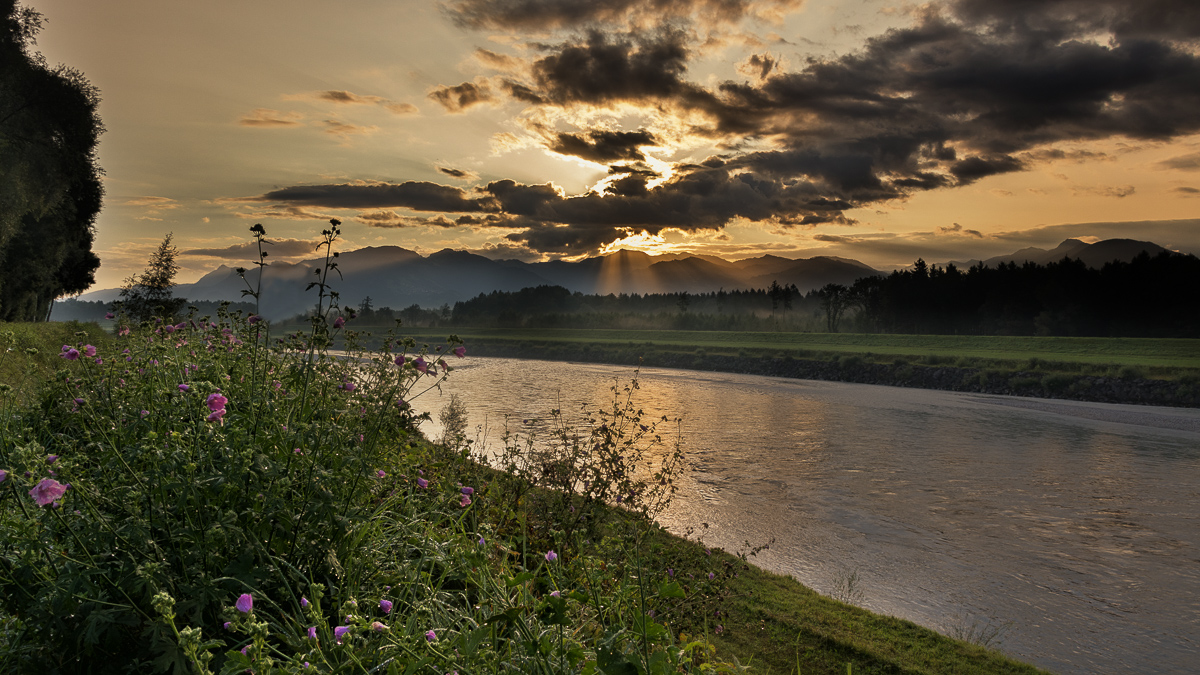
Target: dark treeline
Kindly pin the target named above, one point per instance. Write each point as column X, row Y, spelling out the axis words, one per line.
column 71, row 309
column 775, row 308
column 1148, row 297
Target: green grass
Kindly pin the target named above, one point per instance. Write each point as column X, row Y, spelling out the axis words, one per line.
column 1147, row 352
column 29, row 352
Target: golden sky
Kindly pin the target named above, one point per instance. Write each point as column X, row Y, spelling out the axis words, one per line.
column 535, row 129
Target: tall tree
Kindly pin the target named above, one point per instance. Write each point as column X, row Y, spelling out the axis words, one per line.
column 148, row 295
column 50, row 190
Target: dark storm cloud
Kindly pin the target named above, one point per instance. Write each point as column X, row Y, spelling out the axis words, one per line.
column 604, row 146
column 415, row 195
column 462, row 96
column 970, row 89
column 540, row 15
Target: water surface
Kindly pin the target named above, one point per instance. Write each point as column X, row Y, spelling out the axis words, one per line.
column 1070, row 527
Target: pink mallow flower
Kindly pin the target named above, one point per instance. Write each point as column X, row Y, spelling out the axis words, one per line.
column 89, row 350
column 385, row 606
column 464, row 502
column 422, row 483
column 340, row 632
column 419, row 364
column 339, row 322
column 460, row 351
column 3, row 475
column 378, row 627
column 551, row 556
column 216, row 416
column 254, row 319
column 312, row 632
column 70, row 353
column 245, row 603
column 184, row 387
column 48, row 491
column 381, row 473
column 216, row 402
column 430, row 636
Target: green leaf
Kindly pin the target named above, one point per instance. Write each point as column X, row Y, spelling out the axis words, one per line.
column 671, row 590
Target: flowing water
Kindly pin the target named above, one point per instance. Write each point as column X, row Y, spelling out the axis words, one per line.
column 1068, row 532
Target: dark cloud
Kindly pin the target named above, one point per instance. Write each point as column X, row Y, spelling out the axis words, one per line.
column 339, row 96
column 604, row 146
column 1183, row 162
column 959, row 229
column 539, row 15
column 343, row 129
column 457, row 173
column 758, row 66
column 1187, row 190
column 460, row 97
column 415, row 195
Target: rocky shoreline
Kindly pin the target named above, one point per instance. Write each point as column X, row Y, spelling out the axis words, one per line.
column 852, row 368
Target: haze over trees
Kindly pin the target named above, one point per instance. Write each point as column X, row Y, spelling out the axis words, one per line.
column 50, row 190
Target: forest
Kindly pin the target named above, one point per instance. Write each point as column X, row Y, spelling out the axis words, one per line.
column 1149, row 296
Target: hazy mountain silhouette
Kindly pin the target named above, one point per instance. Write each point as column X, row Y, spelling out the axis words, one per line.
column 397, row 277
column 1092, row 255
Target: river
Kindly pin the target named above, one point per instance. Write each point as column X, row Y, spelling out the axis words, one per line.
column 1069, row 532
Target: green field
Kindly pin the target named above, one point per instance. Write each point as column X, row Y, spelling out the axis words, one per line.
column 1156, row 353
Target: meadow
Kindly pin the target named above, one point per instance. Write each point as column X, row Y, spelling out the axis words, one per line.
column 206, row 497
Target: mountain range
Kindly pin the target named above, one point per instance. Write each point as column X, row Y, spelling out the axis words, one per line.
column 397, row 277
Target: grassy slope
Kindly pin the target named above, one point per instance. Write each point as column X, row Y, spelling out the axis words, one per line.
column 774, row 623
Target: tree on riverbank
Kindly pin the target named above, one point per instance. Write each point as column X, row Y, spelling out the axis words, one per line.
column 50, row 190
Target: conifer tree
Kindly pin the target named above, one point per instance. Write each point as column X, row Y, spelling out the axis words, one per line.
column 148, row 295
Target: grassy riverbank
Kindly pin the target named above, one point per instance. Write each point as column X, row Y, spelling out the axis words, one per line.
column 1112, row 370
column 209, row 462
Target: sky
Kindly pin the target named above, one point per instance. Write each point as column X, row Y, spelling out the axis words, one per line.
column 877, row 130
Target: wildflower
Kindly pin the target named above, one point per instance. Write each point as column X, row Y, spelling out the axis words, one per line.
column 422, row 483
column 400, row 360
column 339, row 322
column 89, row 350
column 216, row 416
column 340, row 632
column 216, row 402
column 460, row 351
column 3, row 475
column 228, row 624
column 402, row 404
column 110, row 315
column 430, row 636
column 169, row 329
column 79, row 401
column 551, row 556
column 420, row 365
column 670, row 572
column 482, row 541
column 468, row 490
column 254, row 318
column 99, row 361
column 710, row 576
column 144, row 413
column 381, row 473
column 247, row 647
column 464, row 502
column 47, row 491
column 50, row 459
column 123, row 331
column 303, row 600
column 385, row 606
column 719, row 629
column 312, row 632
column 555, row 594
column 378, row 627
column 348, row 386
column 245, row 603
column 184, row 387
column 70, row 354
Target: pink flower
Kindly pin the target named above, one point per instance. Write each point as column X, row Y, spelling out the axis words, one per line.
column 381, row 473
column 47, row 491
column 110, row 315
column 303, row 600
column 227, row 625
column 216, row 416
column 551, row 556
column 555, row 594
column 460, row 351
column 254, row 318
column 419, row 364
column 216, row 402
column 386, row 606
column 89, row 350
column 399, row 360
column 339, row 322
column 430, row 636
column 169, row 329
column 340, row 632
column 422, row 483
column 70, row 354
column 464, row 502
column 245, row 603
column 3, row 475
column 378, row 627
column 467, row 490
column 184, row 387
column 312, row 632
column 348, row 386
column 50, row 459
